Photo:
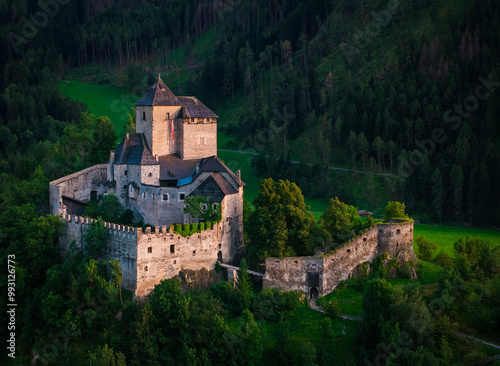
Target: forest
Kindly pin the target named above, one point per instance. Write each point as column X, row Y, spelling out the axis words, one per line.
column 407, row 89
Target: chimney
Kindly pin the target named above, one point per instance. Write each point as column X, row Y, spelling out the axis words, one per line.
column 239, row 175
column 110, row 172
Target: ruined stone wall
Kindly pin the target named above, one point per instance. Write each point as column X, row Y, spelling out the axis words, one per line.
column 395, row 239
column 341, row 264
column 78, row 186
column 294, row 273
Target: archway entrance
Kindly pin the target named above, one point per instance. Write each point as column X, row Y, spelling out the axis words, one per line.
column 219, row 256
column 313, row 293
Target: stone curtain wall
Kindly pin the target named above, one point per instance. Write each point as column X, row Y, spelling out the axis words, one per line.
column 152, row 248
column 121, row 244
column 291, row 273
column 395, row 239
column 162, row 254
column 341, row 264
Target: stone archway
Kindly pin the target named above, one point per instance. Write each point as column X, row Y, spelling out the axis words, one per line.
column 313, row 293
column 219, row 256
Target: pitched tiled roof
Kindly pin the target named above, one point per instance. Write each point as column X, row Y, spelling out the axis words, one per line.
column 192, row 107
column 173, row 167
column 159, row 94
column 215, row 187
column 214, row 164
column 134, row 150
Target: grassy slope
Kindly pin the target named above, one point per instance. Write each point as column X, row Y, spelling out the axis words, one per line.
column 445, row 236
column 102, row 100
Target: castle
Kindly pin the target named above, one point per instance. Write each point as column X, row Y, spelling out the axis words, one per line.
column 172, row 155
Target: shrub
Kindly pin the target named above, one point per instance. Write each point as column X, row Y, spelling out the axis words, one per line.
column 395, row 210
column 426, row 249
column 332, row 309
column 178, row 228
column 202, row 226
column 194, row 228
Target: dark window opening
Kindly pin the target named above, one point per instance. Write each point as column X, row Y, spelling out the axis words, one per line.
column 146, row 268
column 126, row 172
column 172, row 249
column 182, row 196
column 296, row 262
column 93, row 195
column 313, row 293
column 219, row 256
column 398, row 231
column 381, row 231
column 220, row 246
column 194, row 252
column 175, row 262
column 364, row 239
column 348, row 250
column 144, row 116
column 124, row 187
column 150, row 249
column 165, row 197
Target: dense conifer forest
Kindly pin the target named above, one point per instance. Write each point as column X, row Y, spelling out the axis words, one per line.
column 409, row 89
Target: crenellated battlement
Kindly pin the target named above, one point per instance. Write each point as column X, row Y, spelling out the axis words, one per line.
column 109, row 225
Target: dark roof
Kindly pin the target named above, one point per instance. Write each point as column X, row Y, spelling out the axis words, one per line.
column 214, row 164
column 215, row 187
column 192, row 107
column 158, row 94
column 173, row 167
column 134, row 150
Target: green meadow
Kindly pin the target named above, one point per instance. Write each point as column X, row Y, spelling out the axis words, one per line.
column 446, row 236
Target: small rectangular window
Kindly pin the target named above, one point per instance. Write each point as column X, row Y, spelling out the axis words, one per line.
column 152, row 196
column 144, row 116
column 182, row 196
column 125, row 187
column 194, row 252
column 398, row 231
column 168, row 115
column 172, row 249
column 164, row 197
column 145, row 268
column 150, row 249
column 192, row 119
column 126, row 172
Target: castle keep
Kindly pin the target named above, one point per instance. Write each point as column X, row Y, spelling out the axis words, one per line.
column 172, row 155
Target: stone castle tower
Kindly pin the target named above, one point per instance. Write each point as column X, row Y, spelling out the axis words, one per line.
column 172, row 155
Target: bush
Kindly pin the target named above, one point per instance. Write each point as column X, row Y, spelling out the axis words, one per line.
column 426, row 249
column 332, row 309
column 395, row 210
column 443, row 259
column 178, row 228
column 194, row 228
column 202, row 226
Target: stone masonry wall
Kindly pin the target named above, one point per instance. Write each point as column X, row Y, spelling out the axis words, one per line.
column 395, row 239
column 78, row 186
column 291, row 273
column 148, row 257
